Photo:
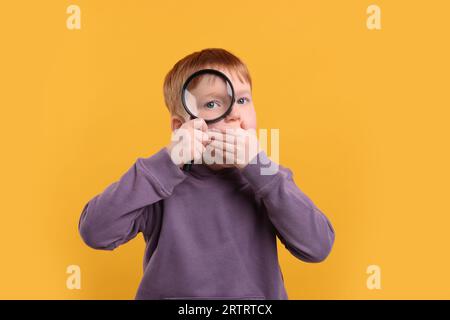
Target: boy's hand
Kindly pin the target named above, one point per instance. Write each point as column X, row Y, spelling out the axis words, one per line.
column 188, row 142
column 235, row 146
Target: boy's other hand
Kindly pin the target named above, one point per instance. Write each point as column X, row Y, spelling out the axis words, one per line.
column 233, row 147
column 188, row 142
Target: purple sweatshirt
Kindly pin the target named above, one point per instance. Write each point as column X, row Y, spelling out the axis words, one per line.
column 209, row 234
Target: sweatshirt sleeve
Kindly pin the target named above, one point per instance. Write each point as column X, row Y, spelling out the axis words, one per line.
column 125, row 208
column 301, row 226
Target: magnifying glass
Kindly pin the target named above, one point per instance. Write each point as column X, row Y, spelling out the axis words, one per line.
column 207, row 94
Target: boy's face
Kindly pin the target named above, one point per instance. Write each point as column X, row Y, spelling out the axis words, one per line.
column 242, row 115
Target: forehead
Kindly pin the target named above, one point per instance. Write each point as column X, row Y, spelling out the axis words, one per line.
column 239, row 86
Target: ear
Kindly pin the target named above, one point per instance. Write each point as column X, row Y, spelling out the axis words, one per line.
column 176, row 122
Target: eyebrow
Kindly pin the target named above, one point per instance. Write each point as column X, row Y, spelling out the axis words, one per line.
column 210, row 95
column 242, row 92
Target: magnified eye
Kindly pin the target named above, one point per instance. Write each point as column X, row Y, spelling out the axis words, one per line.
column 212, row 104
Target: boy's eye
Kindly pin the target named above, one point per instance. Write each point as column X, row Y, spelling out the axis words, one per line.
column 211, row 104
column 243, row 100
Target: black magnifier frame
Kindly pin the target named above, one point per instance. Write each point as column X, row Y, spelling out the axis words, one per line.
column 187, row 166
column 209, row 71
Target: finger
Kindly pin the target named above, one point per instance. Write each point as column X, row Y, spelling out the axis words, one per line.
column 239, row 132
column 202, row 137
column 206, row 138
column 236, row 132
column 238, row 154
column 226, row 157
column 198, row 153
column 199, row 147
column 229, row 147
column 200, row 124
column 232, row 131
column 214, row 135
column 221, row 137
column 242, row 132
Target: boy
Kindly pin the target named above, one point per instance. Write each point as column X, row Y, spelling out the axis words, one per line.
column 211, row 231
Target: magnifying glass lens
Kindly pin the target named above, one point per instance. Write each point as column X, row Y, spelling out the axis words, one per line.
column 208, row 96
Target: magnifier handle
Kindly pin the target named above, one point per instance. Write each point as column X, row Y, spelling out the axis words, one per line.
column 187, row 166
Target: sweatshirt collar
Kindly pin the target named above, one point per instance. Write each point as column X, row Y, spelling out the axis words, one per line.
column 204, row 170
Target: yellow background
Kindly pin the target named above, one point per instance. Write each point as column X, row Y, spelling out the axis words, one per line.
column 363, row 118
